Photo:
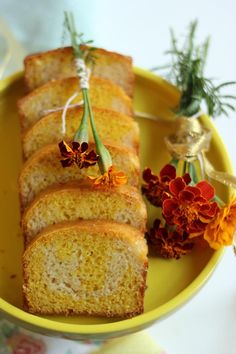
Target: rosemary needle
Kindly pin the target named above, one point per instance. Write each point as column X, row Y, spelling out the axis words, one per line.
column 186, row 71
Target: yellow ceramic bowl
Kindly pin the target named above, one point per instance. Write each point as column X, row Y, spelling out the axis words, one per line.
column 170, row 283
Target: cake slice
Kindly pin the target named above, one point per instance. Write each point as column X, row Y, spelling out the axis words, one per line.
column 75, row 201
column 43, row 169
column 113, row 127
column 88, row 267
column 59, row 64
column 103, row 94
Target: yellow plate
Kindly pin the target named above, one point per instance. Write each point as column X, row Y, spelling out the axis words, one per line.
column 170, row 283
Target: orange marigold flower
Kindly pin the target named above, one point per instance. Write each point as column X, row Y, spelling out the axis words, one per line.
column 220, row 231
column 112, row 177
column 156, row 187
column 189, row 207
column 168, row 243
column 77, row 155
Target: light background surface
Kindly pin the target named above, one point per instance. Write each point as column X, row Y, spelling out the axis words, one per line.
column 140, row 28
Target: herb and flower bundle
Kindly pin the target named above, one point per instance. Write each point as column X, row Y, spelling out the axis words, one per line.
column 78, row 152
column 191, row 209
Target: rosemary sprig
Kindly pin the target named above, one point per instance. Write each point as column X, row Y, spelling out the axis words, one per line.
column 187, row 73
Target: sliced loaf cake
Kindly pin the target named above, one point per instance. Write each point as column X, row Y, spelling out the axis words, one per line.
column 113, row 127
column 88, row 267
column 43, row 169
column 75, row 201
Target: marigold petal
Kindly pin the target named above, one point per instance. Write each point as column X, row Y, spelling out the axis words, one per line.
column 186, row 196
column 186, row 177
column 110, row 178
column 200, row 200
column 220, row 231
column 168, row 244
column 223, row 239
column 204, row 218
column 66, row 162
column 91, row 156
column 207, row 190
column 213, row 210
column 169, row 205
column 65, row 149
column 100, row 179
column 167, row 173
column 176, row 186
column 84, row 146
column 119, row 180
column 149, row 176
column 75, row 146
column 179, row 221
column 197, row 226
column 204, row 208
column 193, row 190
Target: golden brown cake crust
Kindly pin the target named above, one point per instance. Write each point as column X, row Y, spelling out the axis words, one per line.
column 111, row 65
column 76, row 201
column 54, row 94
column 68, row 50
column 97, row 227
column 114, row 128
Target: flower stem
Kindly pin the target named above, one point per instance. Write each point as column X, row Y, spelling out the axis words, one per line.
column 193, row 173
column 219, row 201
column 174, row 162
column 105, row 160
column 81, row 134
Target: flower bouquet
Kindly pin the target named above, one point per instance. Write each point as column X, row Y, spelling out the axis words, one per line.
column 78, row 153
column 191, row 211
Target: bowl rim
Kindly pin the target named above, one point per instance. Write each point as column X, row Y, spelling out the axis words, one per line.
column 145, row 319
column 124, row 326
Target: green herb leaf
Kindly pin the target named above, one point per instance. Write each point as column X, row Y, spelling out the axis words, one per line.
column 187, row 73
column 80, row 46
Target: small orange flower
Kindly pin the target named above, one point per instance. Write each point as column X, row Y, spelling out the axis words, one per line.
column 168, row 243
column 220, row 231
column 77, row 154
column 112, row 177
